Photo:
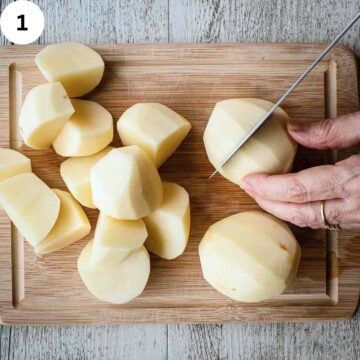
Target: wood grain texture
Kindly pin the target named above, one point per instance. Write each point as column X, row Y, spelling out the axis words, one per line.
column 262, row 21
column 335, row 340
column 190, row 79
column 282, row 339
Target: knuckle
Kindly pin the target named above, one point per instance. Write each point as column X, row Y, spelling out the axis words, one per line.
column 329, row 185
column 296, row 191
column 299, row 218
column 324, row 131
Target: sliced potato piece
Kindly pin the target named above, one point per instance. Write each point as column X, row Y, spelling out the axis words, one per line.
column 155, row 128
column 270, row 150
column 76, row 174
column 44, row 113
column 115, row 239
column 13, row 163
column 72, row 225
column 76, row 66
column 126, row 184
column 31, row 205
column 87, row 132
column 250, row 257
column 116, row 283
column 169, row 225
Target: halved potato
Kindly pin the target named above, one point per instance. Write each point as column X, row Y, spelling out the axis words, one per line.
column 270, row 150
column 155, row 128
column 71, row 225
column 76, row 174
column 31, row 205
column 251, row 256
column 116, row 283
column 45, row 111
column 126, row 184
column 87, row 132
column 115, row 239
column 78, row 67
column 169, row 225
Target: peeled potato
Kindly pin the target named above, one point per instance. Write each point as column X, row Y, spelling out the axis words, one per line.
column 87, row 132
column 251, row 256
column 169, row 225
column 31, row 205
column 12, row 163
column 44, row 113
column 76, row 174
column 76, row 66
column 155, row 128
column 115, row 239
column 116, row 283
column 126, row 184
column 270, row 150
column 71, row 225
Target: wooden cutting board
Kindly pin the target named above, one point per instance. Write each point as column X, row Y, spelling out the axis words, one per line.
column 190, row 79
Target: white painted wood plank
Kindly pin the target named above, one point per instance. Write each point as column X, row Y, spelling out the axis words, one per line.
column 262, row 21
column 3, row 40
column 5, row 341
column 88, row 342
column 303, row 341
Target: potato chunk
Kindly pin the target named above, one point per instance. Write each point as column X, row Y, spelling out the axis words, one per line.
column 45, row 111
column 251, row 256
column 155, row 128
column 270, row 150
column 126, row 184
column 13, row 163
column 87, row 132
column 76, row 174
column 71, row 225
column 31, row 205
column 76, row 66
column 116, row 283
column 115, row 239
column 169, row 224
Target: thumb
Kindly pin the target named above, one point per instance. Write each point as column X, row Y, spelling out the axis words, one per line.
column 338, row 133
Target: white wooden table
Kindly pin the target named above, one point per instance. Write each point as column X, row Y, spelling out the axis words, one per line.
column 110, row 21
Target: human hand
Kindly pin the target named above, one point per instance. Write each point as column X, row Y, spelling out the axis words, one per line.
column 297, row 197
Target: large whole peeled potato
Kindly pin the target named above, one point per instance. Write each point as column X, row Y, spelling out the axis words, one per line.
column 270, row 150
column 31, row 205
column 89, row 130
column 250, row 257
column 115, row 282
column 169, row 225
column 45, row 111
column 71, row 225
column 126, row 184
column 155, row 128
column 76, row 66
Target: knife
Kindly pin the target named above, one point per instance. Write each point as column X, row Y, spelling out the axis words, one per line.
column 285, row 95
